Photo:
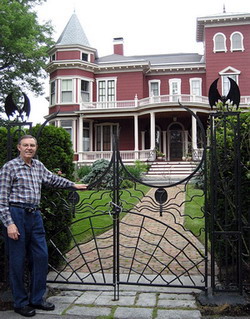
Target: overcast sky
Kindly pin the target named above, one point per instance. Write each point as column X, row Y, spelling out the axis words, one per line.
column 148, row 27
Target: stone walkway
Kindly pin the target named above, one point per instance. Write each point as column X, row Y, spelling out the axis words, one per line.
column 149, row 249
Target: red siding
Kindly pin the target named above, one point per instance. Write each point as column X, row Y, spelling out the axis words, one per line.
column 72, row 72
column 64, row 108
column 68, row 55
column 216, row 62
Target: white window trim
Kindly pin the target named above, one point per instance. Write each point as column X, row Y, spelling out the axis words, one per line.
column 54, row 80
column 88, row 60
column 102, row 125
column 190, row 84
column 149, row 87
column 225, row 47
column 227, row 72
column 242, row 42
column 91, row 81
column 106, row 79
column 73, row 90
column 178, row 81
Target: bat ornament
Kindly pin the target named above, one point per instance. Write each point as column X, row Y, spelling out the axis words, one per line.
column 12, row 109
column 231, row 99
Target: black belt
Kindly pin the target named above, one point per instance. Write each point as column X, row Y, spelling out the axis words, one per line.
column 29, row 208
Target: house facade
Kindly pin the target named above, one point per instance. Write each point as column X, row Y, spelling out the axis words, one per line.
column 142, row 97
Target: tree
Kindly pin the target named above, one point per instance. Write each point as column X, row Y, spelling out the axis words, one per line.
column 23, row 47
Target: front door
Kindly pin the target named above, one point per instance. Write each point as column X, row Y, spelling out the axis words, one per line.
column 176, row 145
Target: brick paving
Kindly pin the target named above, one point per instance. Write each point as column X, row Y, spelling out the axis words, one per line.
column 147, row 247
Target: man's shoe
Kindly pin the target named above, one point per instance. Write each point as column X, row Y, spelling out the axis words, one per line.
column 25, row 311
column 45, row 305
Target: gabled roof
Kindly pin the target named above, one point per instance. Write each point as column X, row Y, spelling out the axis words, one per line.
column 73, row 33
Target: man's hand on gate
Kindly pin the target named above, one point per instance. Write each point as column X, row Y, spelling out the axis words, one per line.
column 81, row 187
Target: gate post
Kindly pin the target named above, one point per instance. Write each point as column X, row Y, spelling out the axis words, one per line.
column 225, row 202
column 115, row 214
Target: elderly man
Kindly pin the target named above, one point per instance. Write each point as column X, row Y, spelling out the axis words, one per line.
column 20, row 192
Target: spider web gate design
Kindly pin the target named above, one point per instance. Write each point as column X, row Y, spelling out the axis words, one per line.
column 128, row 232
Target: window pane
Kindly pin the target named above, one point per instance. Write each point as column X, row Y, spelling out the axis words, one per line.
column 226, row 83
column 86, row 140
column 66, row 96
column 236, row 41
column 219, row 43
column 85, row 91
column 52, row 92
column 196, row 88
column 102, row 91
column 67, row 91
column 111, row 90
column 154, row 88
column 98, row 138
column 106, row 138
column 66, row 85
column 84, row 56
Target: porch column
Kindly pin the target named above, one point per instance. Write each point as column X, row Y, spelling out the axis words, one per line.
column 74, row 134
column 136, row 148
column 194, row 133
column 143, row 140
column 164, row 141
column 152, row 130
column 80, row 136
column 91, row 134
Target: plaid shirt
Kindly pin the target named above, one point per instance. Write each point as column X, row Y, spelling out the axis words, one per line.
column 21, row 183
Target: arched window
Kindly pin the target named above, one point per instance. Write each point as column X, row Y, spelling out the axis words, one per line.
column 219, row 42
column 236, row 39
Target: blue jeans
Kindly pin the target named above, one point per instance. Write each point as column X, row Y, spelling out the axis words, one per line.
column 31, row 245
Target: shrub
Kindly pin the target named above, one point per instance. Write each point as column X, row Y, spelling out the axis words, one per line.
column 226, row 215
column 137, row 169
column 98, row 169
column 56, row 153
column 83, row 171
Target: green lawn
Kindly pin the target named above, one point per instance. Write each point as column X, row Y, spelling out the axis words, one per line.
column 95, row 211
column 194, row 214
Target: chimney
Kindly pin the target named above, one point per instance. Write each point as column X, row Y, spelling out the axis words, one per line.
column 118, row 46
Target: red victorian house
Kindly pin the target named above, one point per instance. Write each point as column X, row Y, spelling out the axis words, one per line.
column 139, row 95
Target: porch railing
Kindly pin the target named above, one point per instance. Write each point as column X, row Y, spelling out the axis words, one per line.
column 161, row 99
column 185, row 98
column 127, row 156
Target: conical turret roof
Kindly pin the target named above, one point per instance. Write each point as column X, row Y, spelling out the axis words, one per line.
column 73, row 33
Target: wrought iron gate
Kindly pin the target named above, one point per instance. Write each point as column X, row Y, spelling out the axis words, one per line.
column 129, row 232
column 229, row 202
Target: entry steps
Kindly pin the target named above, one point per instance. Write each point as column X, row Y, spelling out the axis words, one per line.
column 169, row 171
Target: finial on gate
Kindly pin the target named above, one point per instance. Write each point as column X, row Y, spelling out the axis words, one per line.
column 232, row 98
column 12, row 109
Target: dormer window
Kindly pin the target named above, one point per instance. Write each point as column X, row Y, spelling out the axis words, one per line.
column 219, row 42
column 236, row 41
column 85, row 56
